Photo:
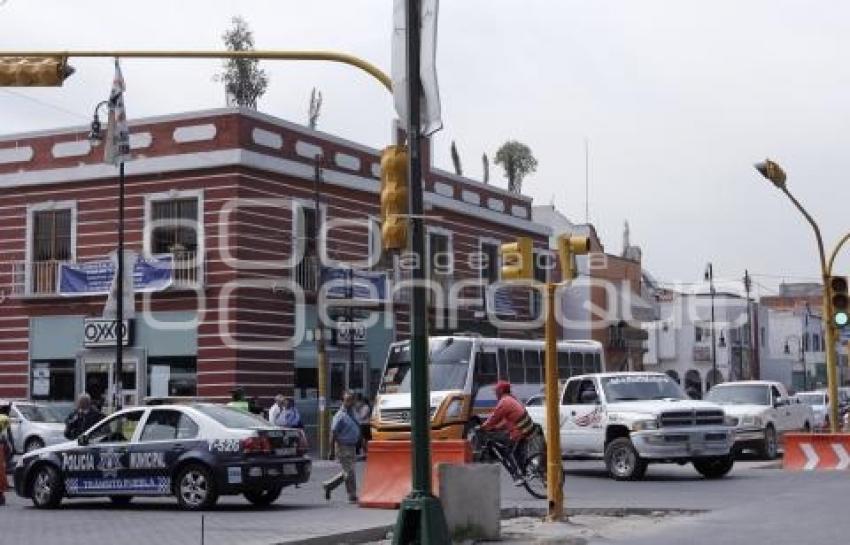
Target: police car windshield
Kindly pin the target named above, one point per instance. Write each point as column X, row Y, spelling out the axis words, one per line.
column 640, row 387
column 448, row 366
column 232, row 418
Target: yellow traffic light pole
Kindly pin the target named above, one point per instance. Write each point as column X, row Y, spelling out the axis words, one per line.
column 329, row 56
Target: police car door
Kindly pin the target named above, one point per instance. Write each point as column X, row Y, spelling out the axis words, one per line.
column 99, row 467
column 166, row 434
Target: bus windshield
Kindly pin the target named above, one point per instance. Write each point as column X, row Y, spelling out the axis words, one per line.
column 448, row 366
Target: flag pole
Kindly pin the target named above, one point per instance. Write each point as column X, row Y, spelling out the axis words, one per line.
column 119, row 326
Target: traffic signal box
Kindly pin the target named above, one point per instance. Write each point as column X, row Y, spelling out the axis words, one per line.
column 517, row 259
column 394, row 197
column 839, row 300
column 568, row 248
column 34, row 71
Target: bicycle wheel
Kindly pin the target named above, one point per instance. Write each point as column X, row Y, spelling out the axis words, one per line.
column 535, row 476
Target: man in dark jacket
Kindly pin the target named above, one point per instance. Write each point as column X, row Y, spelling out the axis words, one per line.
column 83, row 418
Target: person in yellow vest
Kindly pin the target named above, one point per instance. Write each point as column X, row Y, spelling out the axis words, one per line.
column 4, row 483
column 238, row 401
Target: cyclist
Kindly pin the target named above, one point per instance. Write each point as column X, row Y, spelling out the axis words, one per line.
column 510, row 425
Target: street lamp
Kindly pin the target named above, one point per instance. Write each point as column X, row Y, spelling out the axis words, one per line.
column 96, row 132
column 801, row 350
column 775, row 175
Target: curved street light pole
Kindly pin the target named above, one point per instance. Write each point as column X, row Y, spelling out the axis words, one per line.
column 774, row 173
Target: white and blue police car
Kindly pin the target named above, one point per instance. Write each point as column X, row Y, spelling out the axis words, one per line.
column 196, row 452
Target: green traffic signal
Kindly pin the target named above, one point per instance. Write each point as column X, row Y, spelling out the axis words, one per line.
column 840, row 319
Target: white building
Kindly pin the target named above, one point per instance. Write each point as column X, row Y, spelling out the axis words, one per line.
column 795, row 352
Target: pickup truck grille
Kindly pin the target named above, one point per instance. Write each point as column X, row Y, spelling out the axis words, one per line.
column 692, row 418
column 400, row 416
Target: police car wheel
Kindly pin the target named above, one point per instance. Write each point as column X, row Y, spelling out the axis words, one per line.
column 196, row 488
column 263, row 498
column 120, row 500
column 46, row 491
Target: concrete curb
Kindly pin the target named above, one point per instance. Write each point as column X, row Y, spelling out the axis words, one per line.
column 380, row 532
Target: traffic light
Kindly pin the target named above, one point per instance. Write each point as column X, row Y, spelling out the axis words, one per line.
column 838, row 296
column 517, row 259
column 34, row 71
column 568, row 248
column 394, row 197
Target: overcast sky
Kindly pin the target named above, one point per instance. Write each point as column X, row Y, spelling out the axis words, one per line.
column 676, row 98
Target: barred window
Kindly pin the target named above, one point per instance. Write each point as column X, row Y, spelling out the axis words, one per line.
column 175, row 226
column 52, row 235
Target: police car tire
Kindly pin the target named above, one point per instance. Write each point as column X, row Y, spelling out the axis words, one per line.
column 196, row 472
column 263, row 498
column 46, row 476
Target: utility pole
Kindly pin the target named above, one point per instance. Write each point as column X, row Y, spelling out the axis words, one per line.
column 119, row 308
column 321, row 354
column 747, row 285
column 420, row 518
column 709, row 275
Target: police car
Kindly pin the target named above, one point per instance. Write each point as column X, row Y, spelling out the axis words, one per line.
column 195, row 452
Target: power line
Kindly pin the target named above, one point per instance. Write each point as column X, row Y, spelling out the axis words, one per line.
column 45, row 104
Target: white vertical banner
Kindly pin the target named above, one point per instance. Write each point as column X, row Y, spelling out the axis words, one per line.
column 117, row 149
column 431, row 118
column 110, row 310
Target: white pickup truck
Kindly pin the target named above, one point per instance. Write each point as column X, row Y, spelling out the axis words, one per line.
column 765, row 412
column 633, row 419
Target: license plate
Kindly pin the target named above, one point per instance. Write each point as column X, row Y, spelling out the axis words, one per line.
column 290, row 469
column 284, row 451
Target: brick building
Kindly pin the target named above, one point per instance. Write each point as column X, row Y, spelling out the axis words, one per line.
column 225, row 202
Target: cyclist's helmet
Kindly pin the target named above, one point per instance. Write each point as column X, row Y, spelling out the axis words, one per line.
column 502, row 387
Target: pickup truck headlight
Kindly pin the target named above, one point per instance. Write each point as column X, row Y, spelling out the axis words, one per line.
column 731, row 421
column 454, row 409
column 750, row 420
column 642, row 425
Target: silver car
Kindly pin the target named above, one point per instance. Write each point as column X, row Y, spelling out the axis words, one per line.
column 35, row 425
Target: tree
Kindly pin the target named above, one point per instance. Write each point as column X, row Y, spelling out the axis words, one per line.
column 244, row 81
column 517, row 161
column 486, row 166
column 456, row 160
column 315, row 109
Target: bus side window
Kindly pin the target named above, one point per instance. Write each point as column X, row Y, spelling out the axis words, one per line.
column 486, row 371
column 516, row 368
column 533, row 371
column 576, row 364
column 597, row 361
column 589, row 366
column 563, row 365
column 503, row 364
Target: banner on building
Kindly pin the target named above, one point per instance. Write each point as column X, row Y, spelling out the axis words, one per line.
column 95, row 277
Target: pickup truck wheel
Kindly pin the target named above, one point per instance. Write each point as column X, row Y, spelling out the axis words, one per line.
column 769, row 448
column 623, row 461
column 714, row 468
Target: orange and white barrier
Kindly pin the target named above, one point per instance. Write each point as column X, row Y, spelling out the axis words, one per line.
column 388, row 477
column 817, row 451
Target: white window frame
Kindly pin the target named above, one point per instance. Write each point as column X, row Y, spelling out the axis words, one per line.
column 297, row 227
column 200, row 233
column 45, row 207
column 450, row 245
column 493, row 242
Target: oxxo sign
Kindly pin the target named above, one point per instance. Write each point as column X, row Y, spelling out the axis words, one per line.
column 98, row 332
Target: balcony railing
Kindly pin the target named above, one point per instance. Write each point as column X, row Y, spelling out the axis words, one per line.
column 41, row 278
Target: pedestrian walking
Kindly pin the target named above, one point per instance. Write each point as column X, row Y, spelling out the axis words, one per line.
column 4, row 449
column 289, row 416
column 238, row 401
column 363, row 410
column 345, row 434
column 84, row 417
column 276, row 408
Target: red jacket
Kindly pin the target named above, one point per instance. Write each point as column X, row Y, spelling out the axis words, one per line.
column 511, row 416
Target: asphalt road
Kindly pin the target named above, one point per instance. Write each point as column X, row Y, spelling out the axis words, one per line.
column 753, row 504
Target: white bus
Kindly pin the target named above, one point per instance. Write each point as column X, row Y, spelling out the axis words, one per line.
column 463, row 370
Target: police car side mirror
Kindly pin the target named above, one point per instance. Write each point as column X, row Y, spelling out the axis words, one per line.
column 83, row 440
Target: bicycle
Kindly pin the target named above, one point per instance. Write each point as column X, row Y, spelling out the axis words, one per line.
column 531, row 461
